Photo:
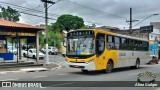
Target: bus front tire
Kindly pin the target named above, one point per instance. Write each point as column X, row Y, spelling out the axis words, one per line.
column 33, row 57
column 109, row 67
column 84, row 70
column 24, row 55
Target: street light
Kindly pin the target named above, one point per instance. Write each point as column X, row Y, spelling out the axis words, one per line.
column 146, row 18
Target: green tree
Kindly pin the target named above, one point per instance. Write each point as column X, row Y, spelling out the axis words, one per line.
column 41, row 39
column 9, row 14
column 55, row 27
column 68, row 22
column 54, row 39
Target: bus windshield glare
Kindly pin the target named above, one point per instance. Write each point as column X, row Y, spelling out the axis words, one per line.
column 81, row 46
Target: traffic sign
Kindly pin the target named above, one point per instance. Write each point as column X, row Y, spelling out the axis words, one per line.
column 147, row 28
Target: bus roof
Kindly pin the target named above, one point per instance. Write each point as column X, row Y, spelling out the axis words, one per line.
column 111, row 33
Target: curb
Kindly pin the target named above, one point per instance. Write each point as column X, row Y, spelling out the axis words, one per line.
column 31, row 69
column 58, row 67
column 34, row 69
column 41, row 69
column 20, row 65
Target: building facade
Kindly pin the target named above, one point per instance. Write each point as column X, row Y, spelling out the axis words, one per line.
column 154, row 39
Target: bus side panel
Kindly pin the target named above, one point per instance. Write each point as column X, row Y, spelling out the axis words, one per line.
column 102, row 60
column 128, row 58
column 113, row 55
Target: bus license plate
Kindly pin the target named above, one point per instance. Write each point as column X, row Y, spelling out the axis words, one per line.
column 76, row 66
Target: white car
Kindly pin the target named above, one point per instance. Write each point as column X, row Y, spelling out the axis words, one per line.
column 14, row 51
column 64, row 54
column 32, row 54
column 51, row 50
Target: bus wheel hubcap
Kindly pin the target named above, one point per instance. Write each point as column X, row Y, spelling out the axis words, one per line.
column 137, row 64
column 109, row 67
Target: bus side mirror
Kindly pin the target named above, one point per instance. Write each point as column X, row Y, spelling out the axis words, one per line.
column 64, row 42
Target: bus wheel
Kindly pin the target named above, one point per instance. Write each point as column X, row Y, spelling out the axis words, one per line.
column 33, row 57
column 109, row 67
column 84, row 70
column 137, row 64
column 24, row 54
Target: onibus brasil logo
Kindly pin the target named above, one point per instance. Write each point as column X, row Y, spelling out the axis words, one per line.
column 146, row 79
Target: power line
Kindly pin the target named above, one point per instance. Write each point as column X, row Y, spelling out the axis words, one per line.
column 35, row 15
column 37, row 6
column 95, row 9
column 145, row 19
column 33, row 10
column 27, row 9
column 32, row 14
column 38, row 15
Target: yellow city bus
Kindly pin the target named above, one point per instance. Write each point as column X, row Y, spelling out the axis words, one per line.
column 104, row 50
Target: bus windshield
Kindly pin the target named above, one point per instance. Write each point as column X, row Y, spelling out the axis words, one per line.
column 81, row 46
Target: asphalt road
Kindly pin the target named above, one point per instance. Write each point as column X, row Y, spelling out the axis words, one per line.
column 72, row 75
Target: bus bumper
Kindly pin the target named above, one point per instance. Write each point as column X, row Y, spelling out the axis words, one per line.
column 85, row 66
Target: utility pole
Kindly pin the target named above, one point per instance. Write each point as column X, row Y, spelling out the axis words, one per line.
column 131, row 20
column 46, row 24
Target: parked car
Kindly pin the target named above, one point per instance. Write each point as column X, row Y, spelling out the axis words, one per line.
column 51, row 50
column 32, row 54
column 24, row 47
column 64, row 54
column 14, row 51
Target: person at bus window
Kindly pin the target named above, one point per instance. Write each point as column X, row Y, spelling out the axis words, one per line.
column 72, row 49
column 92, row 44
column 109, row 46
column 101, row 45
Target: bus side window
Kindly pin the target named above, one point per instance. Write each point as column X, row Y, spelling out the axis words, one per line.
column 110, row 42
column 117, row 43
column 123, row 44
column 100, row 44
column 131, row 44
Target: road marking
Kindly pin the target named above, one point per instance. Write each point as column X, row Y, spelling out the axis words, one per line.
column 62, row 62
column 133, row 73
column 32, row 69
column 59, row 66
column 62, row 74
column 3, row 72
column 38, row 76
column 10, row 79
column 61, row 84
column 43, row 87
column 58, row 61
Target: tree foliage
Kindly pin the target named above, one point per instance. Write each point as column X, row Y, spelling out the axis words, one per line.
column 9, row 14
column 64, row 22
column 68, row 22
column 54, row 39
column 55, row 27
column 41, row 39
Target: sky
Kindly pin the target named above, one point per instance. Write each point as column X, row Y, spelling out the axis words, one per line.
column 101, row 12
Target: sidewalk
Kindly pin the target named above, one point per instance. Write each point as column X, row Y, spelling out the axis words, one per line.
column 25, row 65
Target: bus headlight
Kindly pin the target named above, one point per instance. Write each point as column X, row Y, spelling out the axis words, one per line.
column 89, row 61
